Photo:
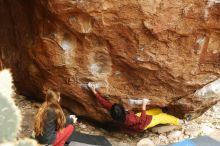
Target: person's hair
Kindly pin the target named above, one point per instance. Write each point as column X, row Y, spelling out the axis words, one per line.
column 117, row 112
column 51, row 103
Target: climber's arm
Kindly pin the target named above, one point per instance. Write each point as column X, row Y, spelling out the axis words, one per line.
column 105, row 103
column 145, row 103
column 144, row 118
column 143, row 113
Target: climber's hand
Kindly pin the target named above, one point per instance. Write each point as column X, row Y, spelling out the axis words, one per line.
column 71, row 116
column 92, row 86
column 74, row 118
column 145, row 102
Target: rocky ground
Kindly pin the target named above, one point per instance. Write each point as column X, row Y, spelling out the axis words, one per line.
column 207, row 124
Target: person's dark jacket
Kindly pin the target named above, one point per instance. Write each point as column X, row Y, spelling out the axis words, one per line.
column 49, row 130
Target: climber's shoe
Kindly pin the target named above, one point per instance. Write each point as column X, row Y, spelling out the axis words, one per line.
column 188, row 118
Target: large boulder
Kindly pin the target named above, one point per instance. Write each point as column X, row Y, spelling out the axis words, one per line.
column 159, row 49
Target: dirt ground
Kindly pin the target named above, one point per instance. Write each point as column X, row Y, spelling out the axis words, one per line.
column 207, row 124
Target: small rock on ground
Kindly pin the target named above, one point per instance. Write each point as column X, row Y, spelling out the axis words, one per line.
column 145, row 142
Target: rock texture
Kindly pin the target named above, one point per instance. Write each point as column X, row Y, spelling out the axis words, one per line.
column 145, row 142
column 159, row 49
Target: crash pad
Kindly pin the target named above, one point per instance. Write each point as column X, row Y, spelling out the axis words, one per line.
column 81, row 139
column 199, row 141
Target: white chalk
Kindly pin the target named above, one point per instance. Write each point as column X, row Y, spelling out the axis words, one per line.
column 66, row 45
column 95, row 69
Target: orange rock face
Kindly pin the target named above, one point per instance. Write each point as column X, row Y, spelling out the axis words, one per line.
column 158, row 49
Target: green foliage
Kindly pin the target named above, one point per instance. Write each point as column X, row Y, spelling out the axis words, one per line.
column 10, row 115
column 26, row 142
column 10, row 119
column 23, row 142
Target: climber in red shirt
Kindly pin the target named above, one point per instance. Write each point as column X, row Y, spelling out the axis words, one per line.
column 135, row 122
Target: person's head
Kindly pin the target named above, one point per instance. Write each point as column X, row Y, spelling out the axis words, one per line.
column 52, row 97
column 51, row 103
column 117, row 112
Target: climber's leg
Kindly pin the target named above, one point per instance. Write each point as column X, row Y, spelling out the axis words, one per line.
column 163, row 118
column 154, row 111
